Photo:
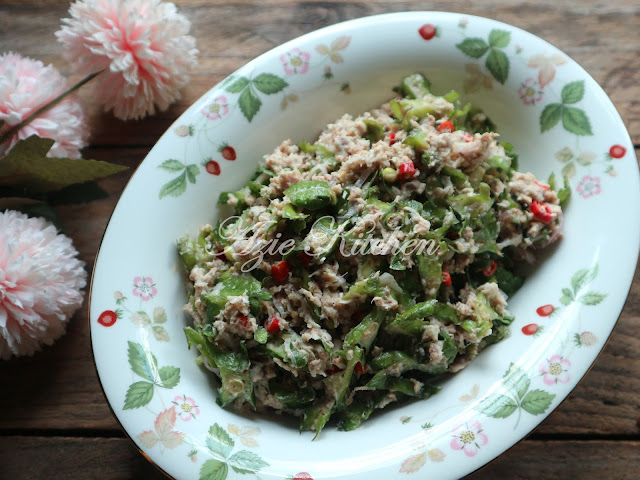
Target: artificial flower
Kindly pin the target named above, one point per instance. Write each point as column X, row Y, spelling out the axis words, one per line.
column 40, row 283
column 142, row 48
column 25, row 86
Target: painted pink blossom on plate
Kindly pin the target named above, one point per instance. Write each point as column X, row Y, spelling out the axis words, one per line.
column 546, row 67
column 144, row 288
column 187, row 407
column 529, row 92
column 295, row 61
column 469, row 438
column 555, row 370
column 589, row 186
column 217, row 109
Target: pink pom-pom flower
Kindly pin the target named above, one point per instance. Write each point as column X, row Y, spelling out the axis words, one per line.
column 40, row 283
column 25, row 86
column 141, row 46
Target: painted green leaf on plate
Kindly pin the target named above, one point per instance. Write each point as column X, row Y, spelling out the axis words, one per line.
column 473, row 47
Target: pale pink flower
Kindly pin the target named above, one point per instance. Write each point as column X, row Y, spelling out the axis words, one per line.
column 144, row 288
column 187, row 406
column 547, row 67
column 25, row 86
column 589, row 186
column 469, row 438
column 40, row 283
column 555, row 370
column 217, row 109
column 295, row 61
column 142, row 46
column 529, row 92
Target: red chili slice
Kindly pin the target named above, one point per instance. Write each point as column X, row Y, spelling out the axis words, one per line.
column 272, row 325
column 541, row 211
column 446, row 279
column 406, row 170
column 280, row 271
column 360, row 369
column 392, row 138
column 448, row 125
column 490, row 269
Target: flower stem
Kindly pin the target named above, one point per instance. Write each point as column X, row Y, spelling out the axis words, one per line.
column 46, row 106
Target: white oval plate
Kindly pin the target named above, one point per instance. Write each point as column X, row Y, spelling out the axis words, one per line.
column 555, row 114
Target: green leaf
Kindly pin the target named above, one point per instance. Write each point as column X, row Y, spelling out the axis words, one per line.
column 249, row 103
column 159, row 315
column 219, row 441
column 576, row 121
column 311, row 194
column 582, row 278
column 160, row 333
column 537, row 402
column 175, row 187
column 143, row 362
column 516, row 380
column 140, row 318
column 269, row 83
column 172, row 165
column 498, row 406
column 499, row 38
column 245, row 461
column 592, row 298
column 192, row 172
column 550, row 116
column 564, row 154
column 498, row 65
column 572, row 92
column 169, row 376
column 239, row 85
column 138, row 395
column 214, row 470
column 565, row 300
column 27, row 166
column 473, row 47
column 569, row 170
column 78, row 193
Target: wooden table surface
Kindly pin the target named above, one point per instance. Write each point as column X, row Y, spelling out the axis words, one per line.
column 54, row 420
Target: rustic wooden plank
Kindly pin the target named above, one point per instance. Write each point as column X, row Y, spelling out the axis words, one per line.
column 604, row 38
column 116, row 458
column 58, row 388
column 28, row 458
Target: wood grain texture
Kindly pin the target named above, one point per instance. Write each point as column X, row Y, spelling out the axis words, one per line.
column 55, row 412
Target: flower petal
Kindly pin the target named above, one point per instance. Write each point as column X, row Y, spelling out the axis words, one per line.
column 456, row 444
column 470, row 450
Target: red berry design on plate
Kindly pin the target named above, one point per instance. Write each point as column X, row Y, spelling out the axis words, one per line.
column 427, row 31
column 107, row 318
column 545, row 310
column 617, row 151
column 302, row 476
column 531, row 329
column 212, row 167
column 228, row 153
